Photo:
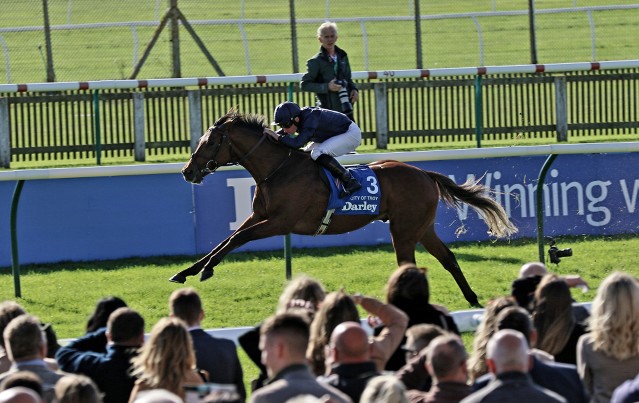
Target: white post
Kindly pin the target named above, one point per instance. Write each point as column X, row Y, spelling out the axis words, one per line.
column 195, row 117
column 5, row 134
column 561, row 108
column 138, row 127
column 381, row 115
column 593, row 48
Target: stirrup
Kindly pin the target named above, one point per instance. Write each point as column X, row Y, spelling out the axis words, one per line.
column 349, row 188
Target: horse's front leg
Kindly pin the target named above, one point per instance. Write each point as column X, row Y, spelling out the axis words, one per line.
column 197, row 267
column 260, row 230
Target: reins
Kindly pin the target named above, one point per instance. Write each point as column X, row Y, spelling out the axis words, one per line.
column 290, row 151
column 249, row 151
column 212, row 165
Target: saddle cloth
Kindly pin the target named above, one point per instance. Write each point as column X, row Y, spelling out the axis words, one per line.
column 364, row 201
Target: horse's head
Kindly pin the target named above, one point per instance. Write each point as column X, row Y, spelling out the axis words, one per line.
column 216, row 148
column 212, row 152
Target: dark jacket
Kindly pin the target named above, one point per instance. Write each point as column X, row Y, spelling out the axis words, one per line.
column 443, row 392
column 320, row 70
column 560, row 378
column 249, row 342
column 351, row 378
column 568, row 354
column 513, row 387
column 110, row 370
column 293, row 381
column 417, row 314
column 414, row 375
column 317, row 125
column 219, row 358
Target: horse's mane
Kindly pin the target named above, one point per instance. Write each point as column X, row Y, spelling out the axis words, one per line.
column 250, row 121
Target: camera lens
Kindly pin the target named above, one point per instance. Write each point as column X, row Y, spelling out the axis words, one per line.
column 347, row 107
column 555, row 254
column 564, row 252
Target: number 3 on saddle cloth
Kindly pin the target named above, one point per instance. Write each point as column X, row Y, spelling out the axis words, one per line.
column 364, row 201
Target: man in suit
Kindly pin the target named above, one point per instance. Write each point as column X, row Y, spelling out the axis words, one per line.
column 109, row 369
column 26, row 346
column 560, row 378
column 508, row 360
column 350, row 355
column 217, row 356
column 283, row 341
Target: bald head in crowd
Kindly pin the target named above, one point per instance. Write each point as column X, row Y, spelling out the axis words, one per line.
column 532, row 269
column 507, row 351
column 19, row 394
column 349, row 343
column 446, row 359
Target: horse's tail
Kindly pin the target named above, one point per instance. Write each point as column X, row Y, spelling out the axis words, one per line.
column 475, row 195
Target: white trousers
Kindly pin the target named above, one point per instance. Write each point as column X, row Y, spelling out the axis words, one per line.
column 337, row 145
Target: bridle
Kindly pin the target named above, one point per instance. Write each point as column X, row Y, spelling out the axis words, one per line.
column 212, row 165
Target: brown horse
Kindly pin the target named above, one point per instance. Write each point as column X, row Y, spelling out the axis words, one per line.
column 282, row 203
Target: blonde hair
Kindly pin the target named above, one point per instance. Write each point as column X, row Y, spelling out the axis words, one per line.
column 488, row 326
column 303, row 288
column 167, row 356
column 552, row 314
column 336, row 308
column 614, row 317
column 384, row 389
column 326, row 26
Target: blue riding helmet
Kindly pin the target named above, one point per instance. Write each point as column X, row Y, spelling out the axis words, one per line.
column 285, row 113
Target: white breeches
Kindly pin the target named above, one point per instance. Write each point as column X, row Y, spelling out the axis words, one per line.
column 337, row 145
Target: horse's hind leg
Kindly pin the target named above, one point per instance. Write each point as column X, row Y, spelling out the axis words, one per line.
column 440, row 251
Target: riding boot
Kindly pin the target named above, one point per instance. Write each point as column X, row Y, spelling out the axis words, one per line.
column 351, row 184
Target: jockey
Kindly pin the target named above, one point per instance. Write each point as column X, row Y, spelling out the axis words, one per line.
column 330, row 134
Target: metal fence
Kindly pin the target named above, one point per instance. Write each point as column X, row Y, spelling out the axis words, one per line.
column 137, row 124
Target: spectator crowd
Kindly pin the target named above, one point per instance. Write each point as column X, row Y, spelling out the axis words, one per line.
column 534, row 345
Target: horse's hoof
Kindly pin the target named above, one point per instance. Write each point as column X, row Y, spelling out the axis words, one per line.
column 206, row 274
column 178, row 278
